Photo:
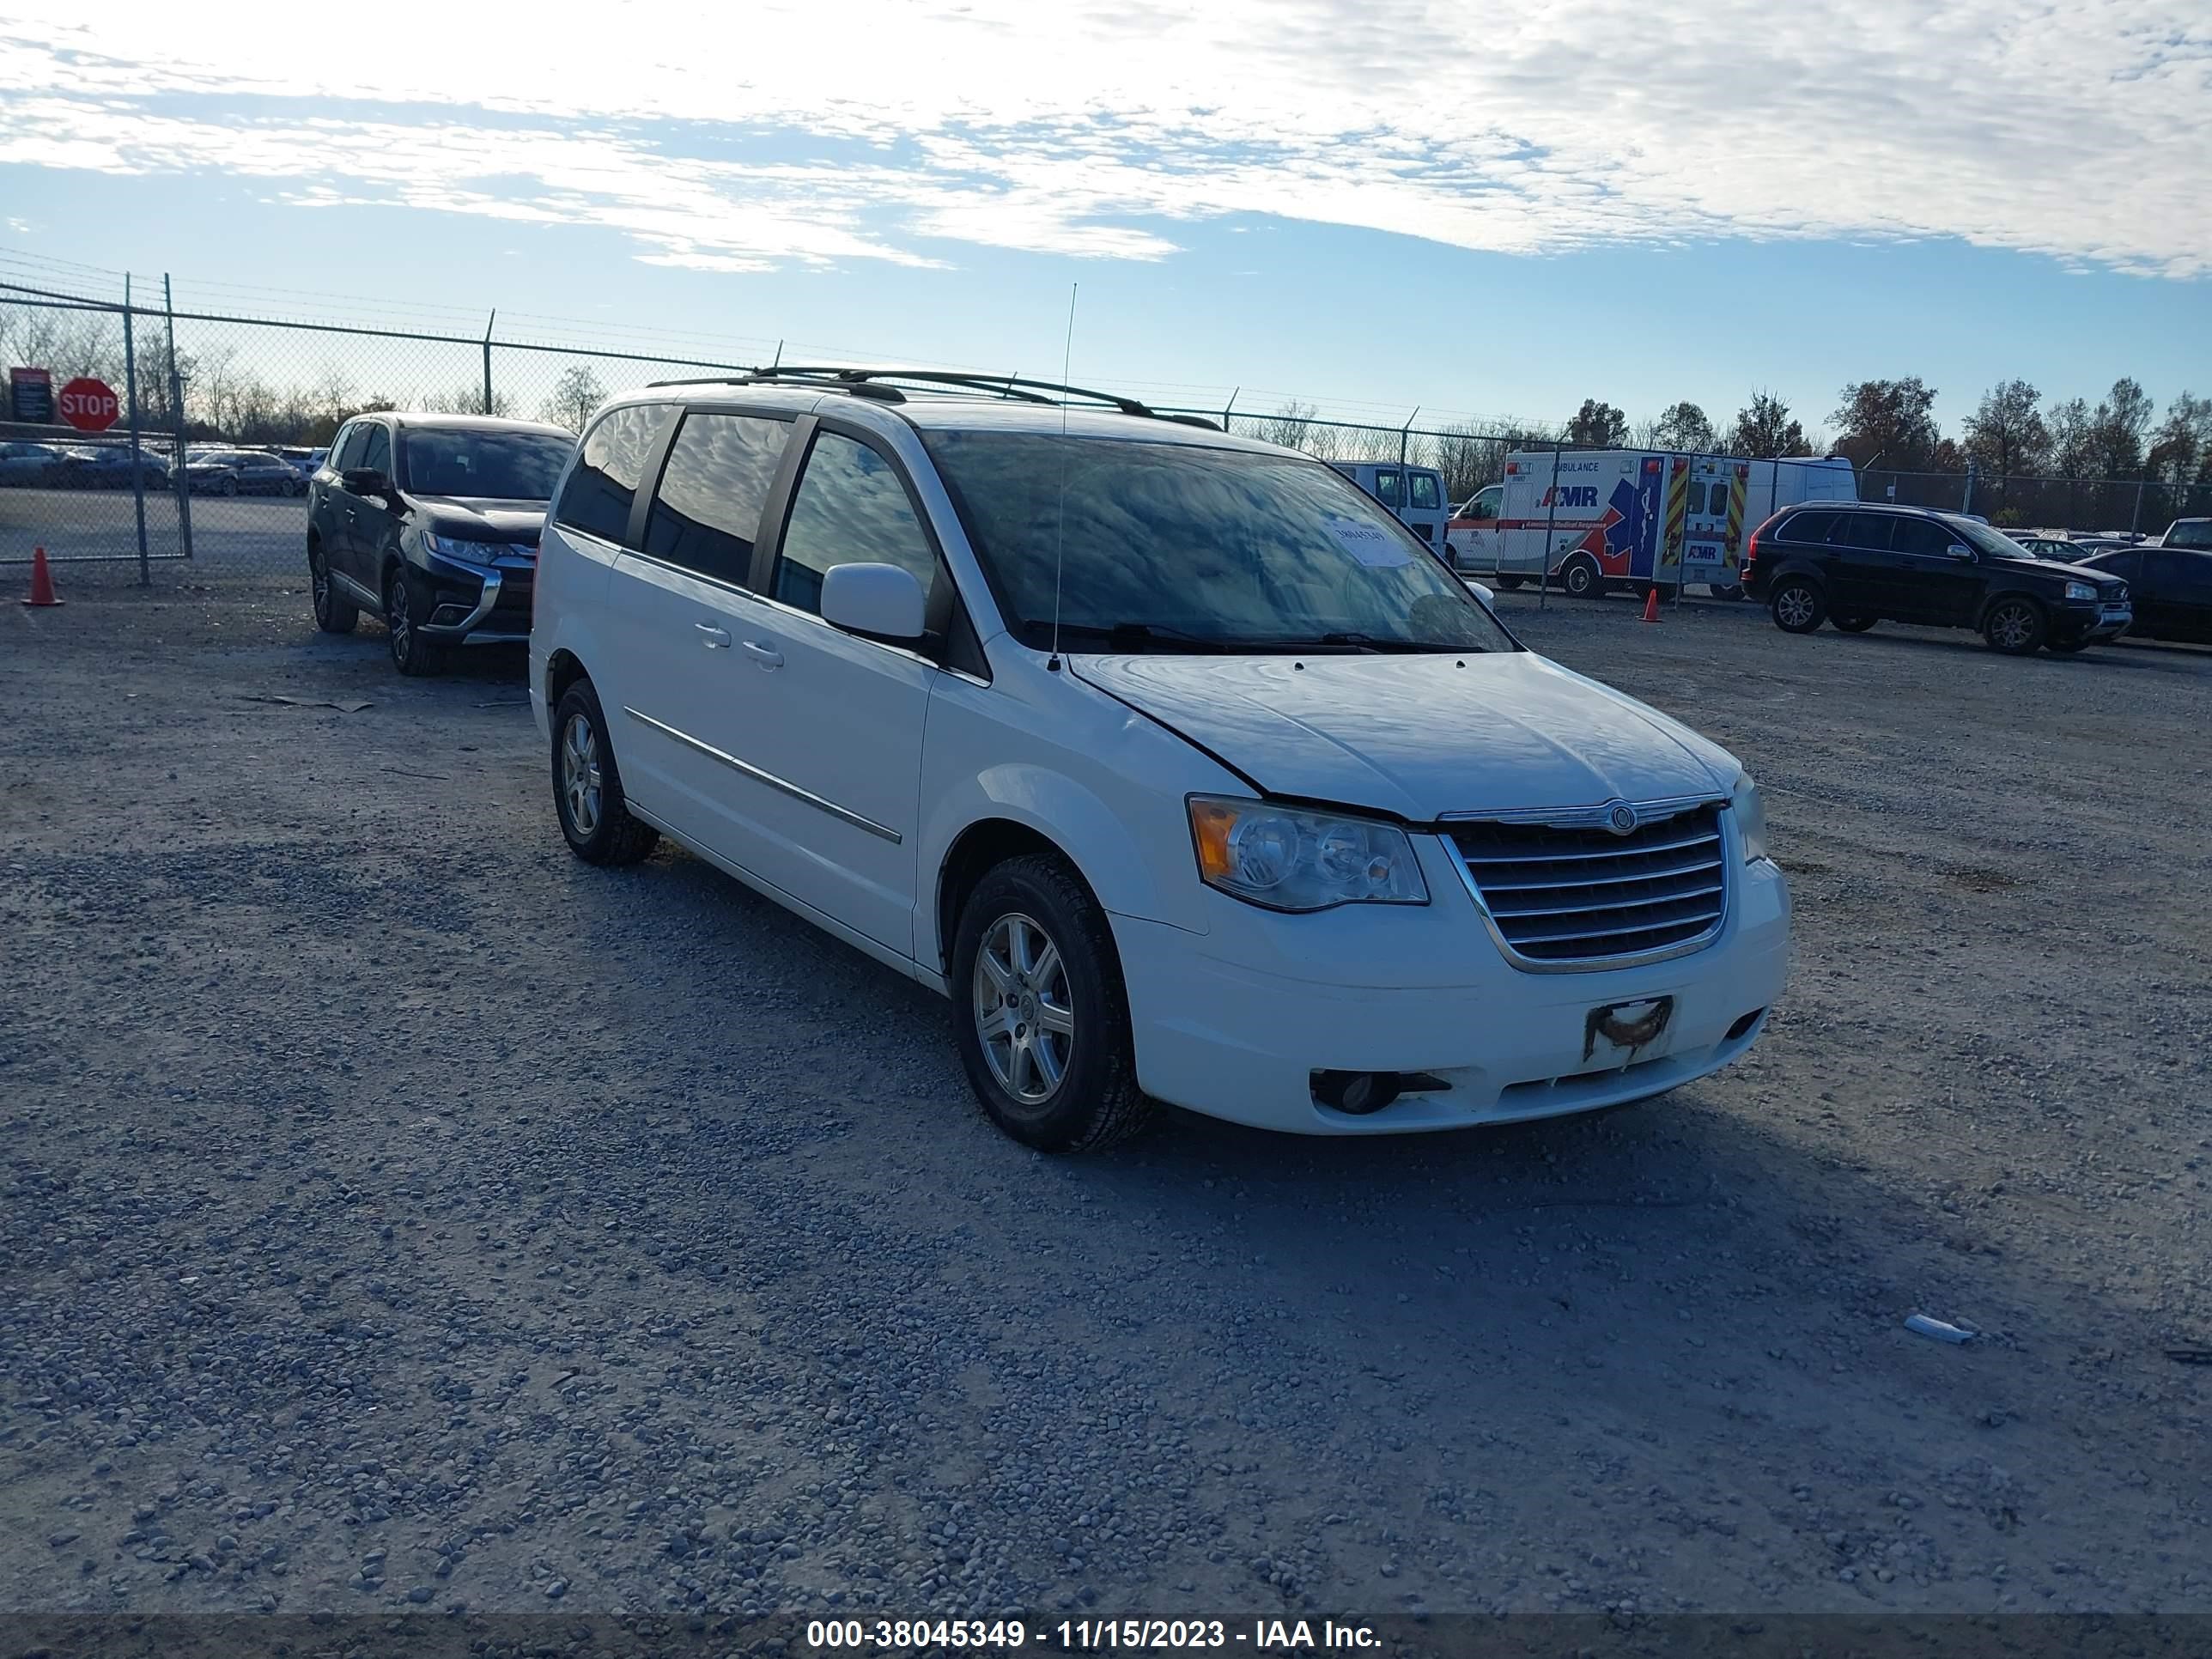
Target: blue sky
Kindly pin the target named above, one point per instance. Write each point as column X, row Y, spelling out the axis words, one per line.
column 1369, row 208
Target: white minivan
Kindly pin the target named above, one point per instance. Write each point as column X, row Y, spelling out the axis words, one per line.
column 1170, row 757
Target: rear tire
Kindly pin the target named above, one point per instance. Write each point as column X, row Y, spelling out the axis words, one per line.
column 1853, row 625
column 333, row 614
column 1798, row 607
column 1581, row 578
column 587, row 793
column 1041, row 1016
column 1509, row 583
column 2016, row 626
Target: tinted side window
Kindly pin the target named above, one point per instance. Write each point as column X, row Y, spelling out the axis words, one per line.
column 849, row 508
column 606, row 475
column 1423, row 491
column 1866, row 532
column 1806, row 527
column 708, row 513
column 376, row 452
column 1386, row 487
column 1921, row 536
column 346, row 451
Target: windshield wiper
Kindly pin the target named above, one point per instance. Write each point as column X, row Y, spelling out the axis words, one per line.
column 1139, row 633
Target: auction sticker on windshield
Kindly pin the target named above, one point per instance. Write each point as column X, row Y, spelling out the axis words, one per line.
column 1371, row 545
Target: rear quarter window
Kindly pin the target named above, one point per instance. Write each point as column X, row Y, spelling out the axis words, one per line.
column 1805, row 527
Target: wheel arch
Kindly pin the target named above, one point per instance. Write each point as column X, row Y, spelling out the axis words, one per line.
column 563, row 670
column 974, row 853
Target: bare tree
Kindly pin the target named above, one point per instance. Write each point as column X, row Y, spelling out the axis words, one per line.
column 575, row 396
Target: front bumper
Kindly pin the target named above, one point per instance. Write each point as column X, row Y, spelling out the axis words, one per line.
column 486, row 604
column 1233, row 1023
column 2091, row 622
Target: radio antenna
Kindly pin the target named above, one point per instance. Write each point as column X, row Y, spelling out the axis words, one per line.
column 1060, row 546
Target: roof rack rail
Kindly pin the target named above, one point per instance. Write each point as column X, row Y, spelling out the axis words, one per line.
column 890, row 385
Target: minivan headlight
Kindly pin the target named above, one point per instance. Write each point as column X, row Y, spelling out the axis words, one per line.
column 2079, row 590
column 1750, row 818
column 1287, row 858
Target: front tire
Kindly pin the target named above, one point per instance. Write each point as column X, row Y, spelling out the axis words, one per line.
column 333, row 614
column 1798, row 607
column 1040, row 1013
column 2016, row 626
column 587, row 792
column 413, row 654
column 1730, row 591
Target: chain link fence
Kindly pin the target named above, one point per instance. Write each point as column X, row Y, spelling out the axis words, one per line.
column 164, row 489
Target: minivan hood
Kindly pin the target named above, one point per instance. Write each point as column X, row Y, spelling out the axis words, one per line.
column 1419, row 736
column 474, row 519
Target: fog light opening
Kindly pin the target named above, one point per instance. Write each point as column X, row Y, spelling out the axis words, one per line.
column 445, row 615
column 1358, row 1094
column 1744, row 1025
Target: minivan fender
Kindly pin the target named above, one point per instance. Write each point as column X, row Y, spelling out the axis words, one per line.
column 1121, row 862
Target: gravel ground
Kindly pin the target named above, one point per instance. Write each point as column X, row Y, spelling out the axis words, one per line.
column 399, row 1214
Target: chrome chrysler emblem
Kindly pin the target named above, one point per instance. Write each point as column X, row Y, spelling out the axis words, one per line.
column 1620, row 818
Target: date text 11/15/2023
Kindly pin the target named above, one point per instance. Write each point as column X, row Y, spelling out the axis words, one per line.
column 1087, row 1635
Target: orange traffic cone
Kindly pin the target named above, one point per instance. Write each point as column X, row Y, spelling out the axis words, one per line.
column 1651, row 605
column 42, row 580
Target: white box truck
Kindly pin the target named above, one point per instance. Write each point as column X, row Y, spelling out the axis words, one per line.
column 1597, row 520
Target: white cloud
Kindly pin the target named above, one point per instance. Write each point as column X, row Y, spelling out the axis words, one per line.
column 2077, row 128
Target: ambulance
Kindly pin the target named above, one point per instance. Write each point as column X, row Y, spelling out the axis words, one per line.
column 1601, row 520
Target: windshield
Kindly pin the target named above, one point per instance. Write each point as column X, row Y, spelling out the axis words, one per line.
column 492, row 465
column 2190, row 532
column 1171, row 547
column 1981, row 538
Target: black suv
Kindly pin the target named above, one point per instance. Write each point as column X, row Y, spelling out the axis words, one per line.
column 1856, row 565
column 432, row 522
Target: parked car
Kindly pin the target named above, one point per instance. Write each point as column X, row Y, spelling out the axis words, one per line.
column 2053, row 547
column 431, row 521
column 301, row 460
column 242, row 472
column 2170, row 585
column 29, row 464
column 1172, row 758
column 107, row 466
column 2188, row 533
column 1860, row 564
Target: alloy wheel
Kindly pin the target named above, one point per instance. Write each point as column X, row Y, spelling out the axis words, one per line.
column 1793, row 607
column 2012, row 626
column 319, row 574
column 580, row 778
column 1023, row 1011
column 396, row 621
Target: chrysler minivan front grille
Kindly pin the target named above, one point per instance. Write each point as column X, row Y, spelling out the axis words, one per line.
column 1572, row 892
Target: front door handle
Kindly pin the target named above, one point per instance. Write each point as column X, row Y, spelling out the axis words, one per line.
column 713, row 638
column 766, row 655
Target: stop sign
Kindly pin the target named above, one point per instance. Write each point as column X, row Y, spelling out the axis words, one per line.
column 88, row 405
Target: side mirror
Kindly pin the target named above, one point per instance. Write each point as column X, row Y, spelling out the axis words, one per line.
column 1483, row 591
column 1964, row 553
column 365, row 481
column 877, row 601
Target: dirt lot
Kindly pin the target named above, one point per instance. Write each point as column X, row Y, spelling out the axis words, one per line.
column 398, row 1212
